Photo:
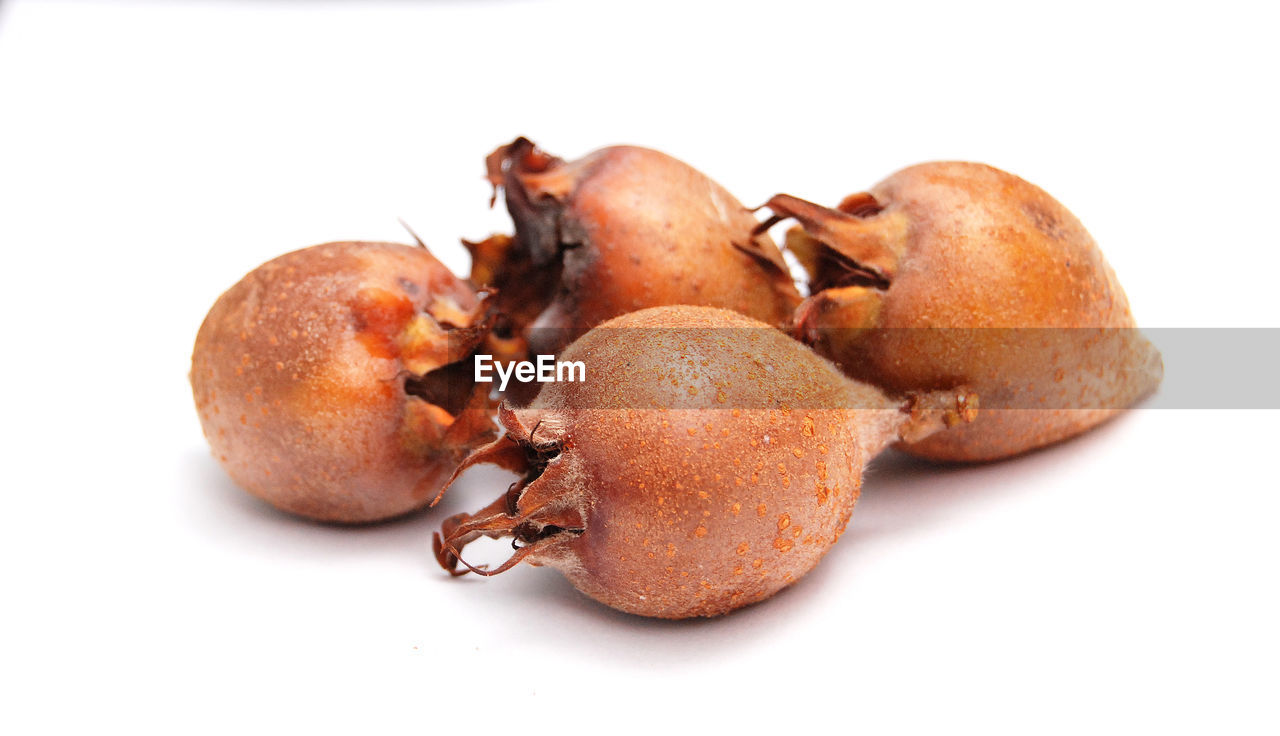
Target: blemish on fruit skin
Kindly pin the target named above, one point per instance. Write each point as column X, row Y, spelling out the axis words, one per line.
column 757, row 562
column 783, row 545
column 784, row 521
column 799, row 453
column 823, row 493
column 736, row 508
column 743, row 547
column 761, row 510
column 700, row 532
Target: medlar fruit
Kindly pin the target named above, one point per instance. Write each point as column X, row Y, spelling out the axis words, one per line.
column 619, row 230
column 333, row 381
column 707, row 462
column 949, row 274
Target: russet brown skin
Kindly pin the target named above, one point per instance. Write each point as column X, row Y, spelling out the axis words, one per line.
column 967, row 247
column 707, row 462
column 619, row 230
column 305, row 374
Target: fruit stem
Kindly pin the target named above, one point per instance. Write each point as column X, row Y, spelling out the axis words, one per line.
column 934, row 411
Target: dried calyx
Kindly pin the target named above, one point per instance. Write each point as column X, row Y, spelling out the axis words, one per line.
column 437, row 349
column 532, row 526
column 843, row 246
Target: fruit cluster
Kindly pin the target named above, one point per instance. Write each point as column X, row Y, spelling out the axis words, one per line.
column 716, row 448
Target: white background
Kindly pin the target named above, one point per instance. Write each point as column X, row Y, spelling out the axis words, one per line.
column 151, row 153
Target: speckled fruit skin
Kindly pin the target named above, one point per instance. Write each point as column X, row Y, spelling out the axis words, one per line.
column 300, row 373
column 968, row 247
column 622, row 229
column 707, row 462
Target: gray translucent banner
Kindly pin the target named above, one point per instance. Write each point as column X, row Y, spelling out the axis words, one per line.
column 1009, row 368
column 1217, row 368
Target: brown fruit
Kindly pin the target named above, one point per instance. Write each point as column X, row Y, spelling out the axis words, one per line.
column 333, row 381
column 707, row 462
column 954, row 273
column 621, row 229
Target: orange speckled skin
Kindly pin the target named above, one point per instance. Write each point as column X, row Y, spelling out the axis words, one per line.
column 629, row 228
column 299, row 377
column 970, row 246
column 708, row 461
